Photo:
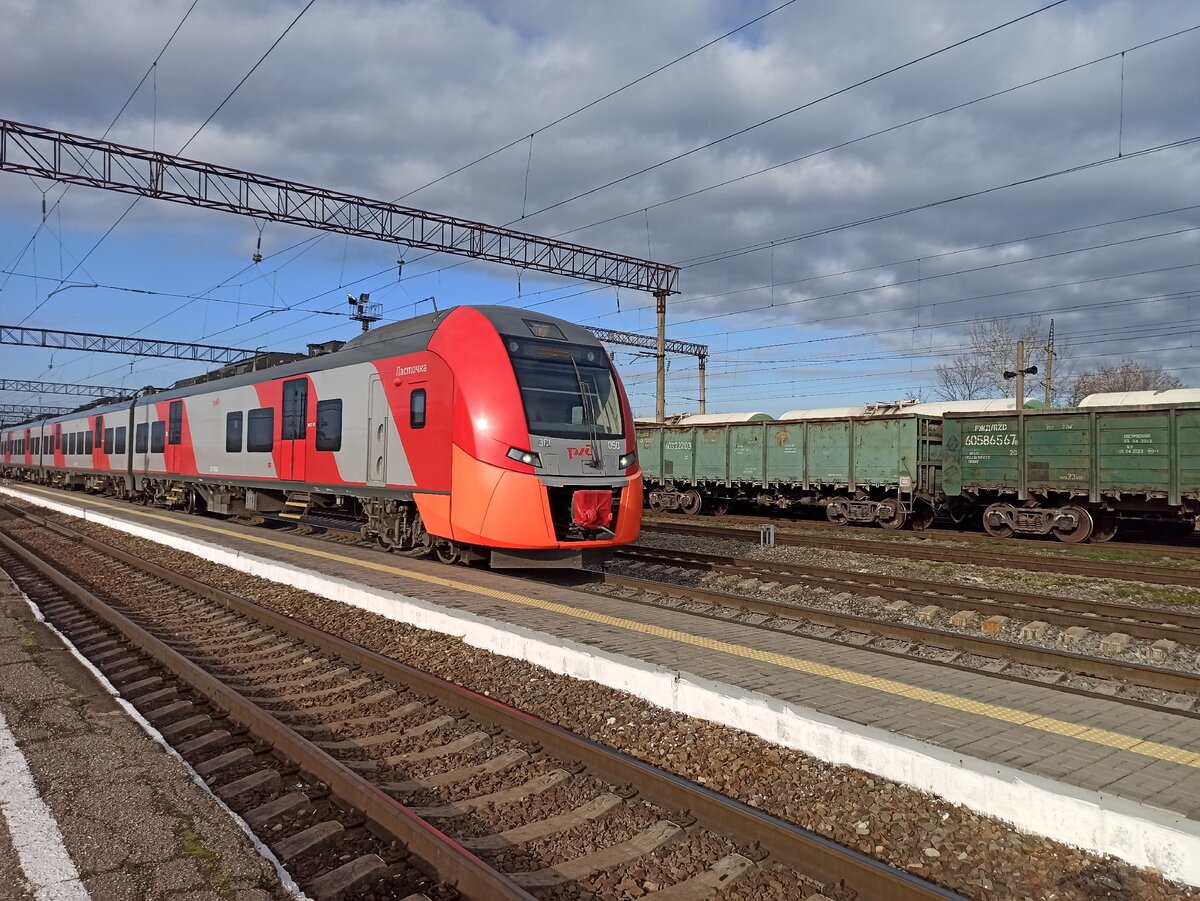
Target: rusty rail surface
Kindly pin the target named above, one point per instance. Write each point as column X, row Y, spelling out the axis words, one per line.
column 788, row 844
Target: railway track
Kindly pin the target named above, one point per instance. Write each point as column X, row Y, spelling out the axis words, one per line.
column 1139, row 621
column 452, row 789
column 1184, row 549
column 1119, row 570
column 1178, row 684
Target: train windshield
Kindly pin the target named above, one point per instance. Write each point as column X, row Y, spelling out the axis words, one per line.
column 569, row 391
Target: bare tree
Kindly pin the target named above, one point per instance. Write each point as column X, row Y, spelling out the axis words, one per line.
column 1127, row 375
column 991, row 348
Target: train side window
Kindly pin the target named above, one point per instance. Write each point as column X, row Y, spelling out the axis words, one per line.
column 58, row 437
column 158, row 434
column 295, row 409
column 119, row 440
column 416, row 409
column 108, row 441
column 260, row 430
column 233, row 433
column 329, row 425
column 99, row 430
column 87, row 442
column 175, row 433
column 141, row 437
column 37, row 446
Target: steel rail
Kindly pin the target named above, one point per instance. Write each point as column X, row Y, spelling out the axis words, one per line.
column 445, row 858
column 787, row 843
column 1141, row 622
column 1095, row 667
column 1121, row 571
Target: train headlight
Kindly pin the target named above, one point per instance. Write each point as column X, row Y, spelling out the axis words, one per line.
column 626, row 460
column 529, row 458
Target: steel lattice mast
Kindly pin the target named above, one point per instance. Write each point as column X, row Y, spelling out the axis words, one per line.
column 117, row 344
column 651, row 342
column 75, row 159
column 28, row 387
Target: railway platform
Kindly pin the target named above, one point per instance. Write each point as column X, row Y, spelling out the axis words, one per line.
column 90, row 805
column 1093, row 772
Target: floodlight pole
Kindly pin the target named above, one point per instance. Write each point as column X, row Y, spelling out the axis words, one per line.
column 703, row 361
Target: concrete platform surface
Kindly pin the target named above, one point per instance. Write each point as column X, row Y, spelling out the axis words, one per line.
column 134, row 824
column 1094, row 772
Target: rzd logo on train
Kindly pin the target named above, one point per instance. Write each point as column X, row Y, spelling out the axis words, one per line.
column 573, row 452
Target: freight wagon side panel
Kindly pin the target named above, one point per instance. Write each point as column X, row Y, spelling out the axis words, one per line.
column 1134, row 452
column 785, row 453
column 829, row 452
column 1187, row 424
column 988, row 453
column 884, row 450
column 1058, row 452
column 712, row 453
column 650, row 449
column 746, row 462
column 678, row 454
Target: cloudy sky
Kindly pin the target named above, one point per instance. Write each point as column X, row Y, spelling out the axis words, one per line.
column 836, row 240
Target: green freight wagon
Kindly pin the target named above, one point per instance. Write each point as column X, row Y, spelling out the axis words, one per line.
column 882, row 469
column 1076, row 473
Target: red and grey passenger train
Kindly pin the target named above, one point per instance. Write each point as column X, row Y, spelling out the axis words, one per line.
column 475, row 433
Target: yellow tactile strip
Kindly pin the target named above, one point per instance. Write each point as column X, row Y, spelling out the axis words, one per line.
column 1103, row 737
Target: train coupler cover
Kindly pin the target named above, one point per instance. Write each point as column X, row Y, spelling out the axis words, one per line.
column 592, row 508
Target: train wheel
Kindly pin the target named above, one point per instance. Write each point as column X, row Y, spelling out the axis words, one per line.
column 994, row 523
column 720, row 508
column 656, row 504
column 691, row 502
column 922, row 517
column 1105, row 529
column 837, row 511
column 891, row 514
column 189, row 502
column 1082, row 530
column 447, row 551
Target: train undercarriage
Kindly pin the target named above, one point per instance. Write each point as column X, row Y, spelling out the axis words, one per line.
column 1068, row 519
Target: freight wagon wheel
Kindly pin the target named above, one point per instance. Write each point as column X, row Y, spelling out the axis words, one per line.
column 1105, row 529
column 891, row 514
column 719, row 508
column 691, row 502
column 837, row 511
column 922, row 517
column 994, row 523
column 1083, row 526
column 656, row 504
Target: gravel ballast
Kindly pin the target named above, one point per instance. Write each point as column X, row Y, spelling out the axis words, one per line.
column 975, row 855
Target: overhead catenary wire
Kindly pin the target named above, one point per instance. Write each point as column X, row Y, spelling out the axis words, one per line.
column 811, row 103
column 186, row 144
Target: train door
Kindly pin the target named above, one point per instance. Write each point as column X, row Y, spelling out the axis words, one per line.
column 294, row 432
column 171, row 452
column 377, row 433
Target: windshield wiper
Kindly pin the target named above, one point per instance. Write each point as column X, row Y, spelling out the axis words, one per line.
column 589, row 416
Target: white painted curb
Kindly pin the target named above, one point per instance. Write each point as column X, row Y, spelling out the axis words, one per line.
column 1137, row 833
